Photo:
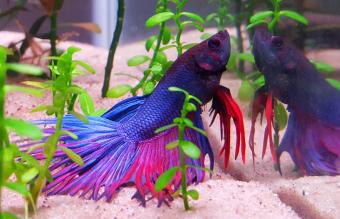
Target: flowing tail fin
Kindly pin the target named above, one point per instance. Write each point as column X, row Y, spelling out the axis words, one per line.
column 112, row 160
column 313, row 145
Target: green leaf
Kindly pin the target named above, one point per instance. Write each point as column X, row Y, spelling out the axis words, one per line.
column 260, row 81
column 29, row 175
column 161, row 58
column 149, row 42
column 172, row 145
column 295, row 16
column 25, row 69
column 17, row 187
column 86, row 66
column 201, row 131
column 323, row 67
column 156, row 68
column 193, row 16
column 27, row 90
column 86, row 103
column 211, row 16
column 149, row 87
column 246, row 91
column 165, row 178
column 161, row 129
column 118, row 91
column 198, row 26
column 191, row 97
column 43, row 108
column 177, row 89
column 260, row 16
column 188, row 122
column 159, row 18
column 71, row 134
column 205, row 36
column 281, row 116
column 23, row 129
column 73, row 156
column 80, row 116
column 247, row 57
column 190, row 149
column 75, row 90
column 255, row 24
column 193, row 194
column 191, row 107
column 334, row 83
column 98, row 112
column 166, row 35
column 232, row 63
column 7, row 215
column 37, row 84
column 137, row 60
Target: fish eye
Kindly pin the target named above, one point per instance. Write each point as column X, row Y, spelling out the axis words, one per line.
column 214, row 43
column 277, row 41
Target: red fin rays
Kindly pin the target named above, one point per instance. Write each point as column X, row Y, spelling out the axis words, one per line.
column 263, row 102
column 224, row 105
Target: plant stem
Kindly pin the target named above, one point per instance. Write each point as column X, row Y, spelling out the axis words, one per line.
column 155, row 53
column 3, row 132
column 181, row 129
column 183, row 169
column 179, row 26
column 113, row 47
column 221, row 15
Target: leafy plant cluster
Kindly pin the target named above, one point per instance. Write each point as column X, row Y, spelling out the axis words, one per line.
column 186, row 148
column 30, row 175
column 157, row 45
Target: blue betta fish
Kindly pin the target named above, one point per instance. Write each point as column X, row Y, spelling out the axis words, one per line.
column 121, row 147
column 312, row 137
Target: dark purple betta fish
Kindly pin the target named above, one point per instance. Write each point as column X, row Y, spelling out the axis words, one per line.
column 312, row 137
column 121, row 147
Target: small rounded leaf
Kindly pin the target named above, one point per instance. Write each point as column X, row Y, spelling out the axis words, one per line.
column 193, row 16
column 261, row 16
column 190, row 149
column 193, row 194
column 86, row 104
column 149, row 87
column 281, row 116
column 158, row 19
column 166, row 35
column 246, row 91
column 295, row 16
column 118, row 91
column 191, row 107
column 165, row 179
column 137, row 60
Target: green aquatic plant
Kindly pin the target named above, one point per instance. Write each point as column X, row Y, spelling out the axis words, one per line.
column 186, row 148
column 158, row 62
column 31, row 175
column 26, row 168
column 273, row 17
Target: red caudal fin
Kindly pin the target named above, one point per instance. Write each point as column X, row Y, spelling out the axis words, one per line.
column 224, row 105
column 263, row 102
